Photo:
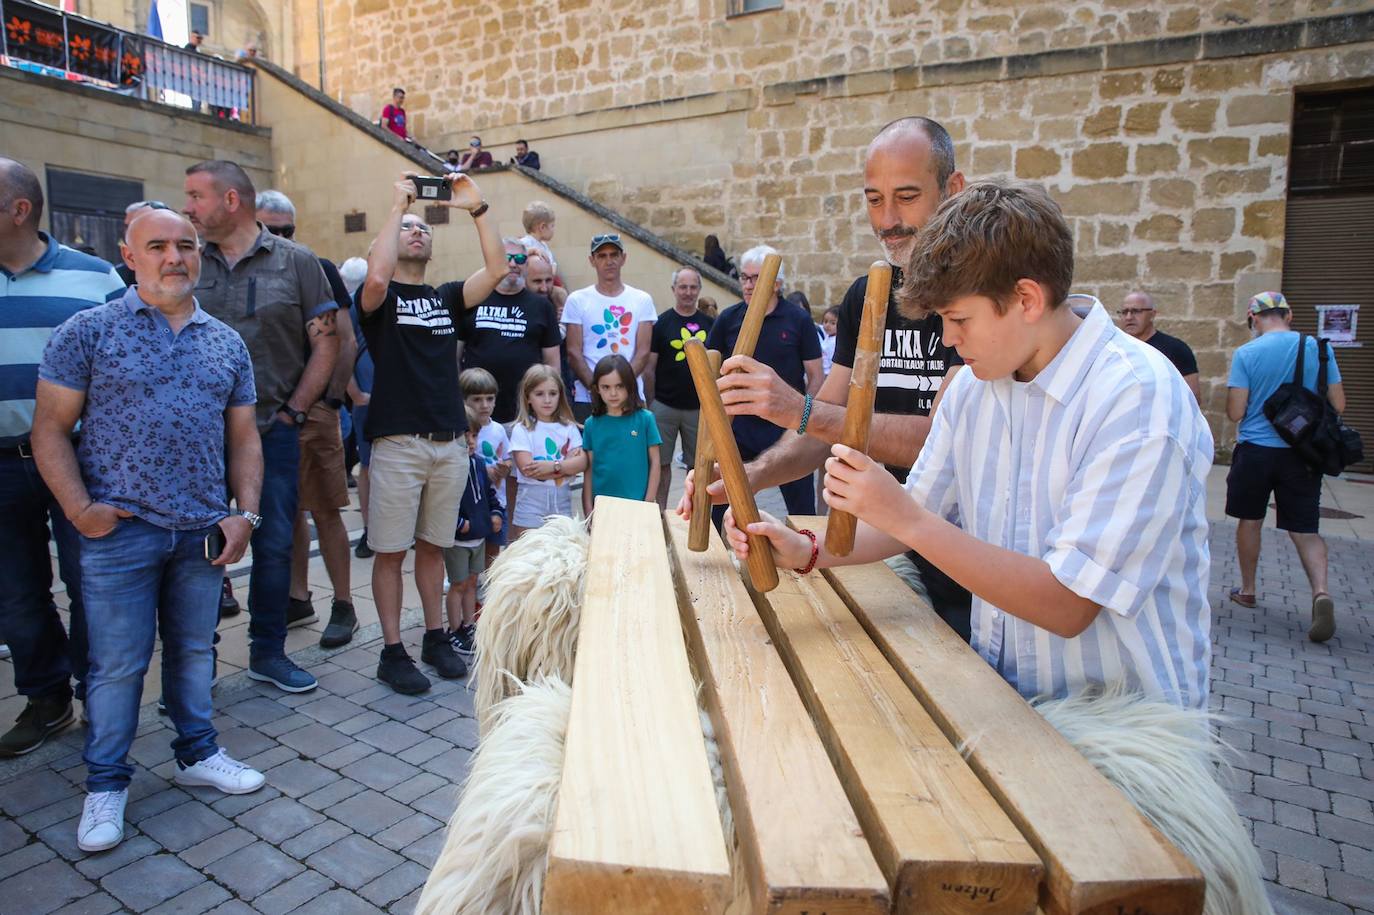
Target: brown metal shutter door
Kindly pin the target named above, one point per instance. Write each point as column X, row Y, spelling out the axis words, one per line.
column 1328, row 259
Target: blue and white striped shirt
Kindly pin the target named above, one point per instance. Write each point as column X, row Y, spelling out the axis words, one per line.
column 32, row 303
column 1099, row 467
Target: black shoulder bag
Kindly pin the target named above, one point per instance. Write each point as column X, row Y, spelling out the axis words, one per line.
column 1305, row 420
column 1335, row 445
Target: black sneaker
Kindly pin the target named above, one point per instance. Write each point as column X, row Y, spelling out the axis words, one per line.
column 464, row 640
column 362, row 550
column 300, row 612
column 343, row 622
column 397, row 670
column 436, row 651
column 228, row 605
column 41, row 718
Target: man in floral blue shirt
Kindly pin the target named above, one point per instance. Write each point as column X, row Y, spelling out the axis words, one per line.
column 159, row 387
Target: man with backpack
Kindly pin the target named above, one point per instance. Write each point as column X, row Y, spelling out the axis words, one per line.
column 1264, row 463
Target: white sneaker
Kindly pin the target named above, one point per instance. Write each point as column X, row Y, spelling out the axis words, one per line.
column 4, row 651
column 102, row 820
column 223, row 772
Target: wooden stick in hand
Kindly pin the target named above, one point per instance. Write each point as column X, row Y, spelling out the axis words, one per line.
column 863, row 385
column 763, row 571
column 699, row 533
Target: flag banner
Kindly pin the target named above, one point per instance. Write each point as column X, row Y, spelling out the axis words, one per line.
column 34, row 33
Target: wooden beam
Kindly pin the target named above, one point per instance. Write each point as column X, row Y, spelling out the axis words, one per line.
column 940, row 838
column 637, row 829
column 1101, row 856
column 800, row 842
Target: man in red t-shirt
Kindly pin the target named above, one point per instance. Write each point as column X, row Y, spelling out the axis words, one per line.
column 394, row 115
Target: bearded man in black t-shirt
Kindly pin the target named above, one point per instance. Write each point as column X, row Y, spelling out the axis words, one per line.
column 908, row 171
column 416, row 419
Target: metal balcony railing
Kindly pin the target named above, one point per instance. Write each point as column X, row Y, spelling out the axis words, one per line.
column 44, row 40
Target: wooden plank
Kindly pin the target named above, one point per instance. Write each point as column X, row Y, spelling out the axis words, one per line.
column 942, row 841
column 637, row 828
column 800, row 842
column 1101, row 856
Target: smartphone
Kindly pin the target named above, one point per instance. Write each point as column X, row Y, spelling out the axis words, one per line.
column 214, row 543
column 430, row 188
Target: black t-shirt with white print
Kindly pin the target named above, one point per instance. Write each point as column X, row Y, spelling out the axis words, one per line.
column 506, row 335
column 413, row 339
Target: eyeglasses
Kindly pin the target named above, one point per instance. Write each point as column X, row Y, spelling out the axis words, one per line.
column 418, row 227
column 1132, row 312
column 608, row 238
column 516, row 258
column 286, row 231
column 748, row 278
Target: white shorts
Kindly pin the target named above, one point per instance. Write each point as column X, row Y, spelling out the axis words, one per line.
column 536, row 501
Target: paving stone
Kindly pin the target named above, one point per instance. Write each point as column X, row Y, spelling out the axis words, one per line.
column 354, row 861
column 401, row 708
column 417, row 787
column 424, row 751
column 61, row 838
column 1301, row 875
column 234, row 804
column 460, row 732
column 392, row 736
column 314, row 740
column 24, row 858
column 394, row 884
column 152, row 749
column 141, row 809
column 1340, row 829
column 338, row 902
column 345, row 757
column 257, row 711
column 11, row 837
column 432, row 718
column 273, row 756
column 293, row 722
column 411, row 829
column 295, row 892
column 42, row 889
column 426, row 851
column 232, row 907
column 44, row 817
column 181, row 827
column 130, row 850
column 200, row 898
column 252, row 871
column 381, row 771
column 361, row 722
column 369, row 812
column 439, row 804
column 216, row 847
column 150, row 881
column 34, row 791
column 94, row 904
column 407, row 905
column 315, row 838
column 346, row 682
column 1357, row 891
column 330, row 709
column 332, row 794
column 451, row 764
column 279, row 819
column 299, row 777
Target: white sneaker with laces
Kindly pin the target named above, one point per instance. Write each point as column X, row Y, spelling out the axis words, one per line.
column 102, row 820
column 221, row 771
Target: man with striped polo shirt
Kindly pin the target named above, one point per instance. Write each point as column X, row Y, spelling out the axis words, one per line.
column 1073, row 459
column 42, row 284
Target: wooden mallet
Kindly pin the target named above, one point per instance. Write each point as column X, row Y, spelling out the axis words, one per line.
column 863, row 385
column 699, row 533
column 763, row 571
column 699, row 530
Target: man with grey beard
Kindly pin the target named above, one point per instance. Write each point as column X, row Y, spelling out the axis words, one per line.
column 908, row 172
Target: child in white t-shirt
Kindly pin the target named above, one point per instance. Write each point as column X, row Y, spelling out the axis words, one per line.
column 479, row 393
column 538, row 220
column 547, row 448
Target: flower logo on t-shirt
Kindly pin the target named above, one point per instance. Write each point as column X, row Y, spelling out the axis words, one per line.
column 614, row 329
column 492, row 454
column 552, row 452
column 690, row 332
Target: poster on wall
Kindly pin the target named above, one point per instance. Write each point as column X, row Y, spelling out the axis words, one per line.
column 1337, row 323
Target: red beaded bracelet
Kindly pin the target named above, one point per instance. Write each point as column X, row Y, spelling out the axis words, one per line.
column 815, row 552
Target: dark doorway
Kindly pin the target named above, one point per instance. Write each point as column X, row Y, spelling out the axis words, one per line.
column 87, row 211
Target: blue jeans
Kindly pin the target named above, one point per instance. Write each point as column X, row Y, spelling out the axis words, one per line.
column 44, row 656
column 269, row 583
column 142, row 579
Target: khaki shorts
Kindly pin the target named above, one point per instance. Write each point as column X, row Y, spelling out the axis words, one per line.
column 417, row 486
column 670, row 421
column 463, row 562
column 323, row 480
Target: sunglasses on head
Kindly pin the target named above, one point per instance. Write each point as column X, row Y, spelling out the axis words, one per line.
column 282, row 231
column 157, row 205
column 517, row 258
column 609, row 237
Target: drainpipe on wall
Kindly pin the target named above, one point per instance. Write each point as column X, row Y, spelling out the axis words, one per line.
column 319, row 17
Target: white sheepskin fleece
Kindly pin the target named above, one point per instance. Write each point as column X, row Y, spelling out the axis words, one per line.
column 496, row 852
column 1166, row 760
column 531, row 613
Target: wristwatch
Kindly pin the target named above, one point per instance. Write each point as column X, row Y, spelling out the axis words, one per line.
column 252, row 518
column 297, row 417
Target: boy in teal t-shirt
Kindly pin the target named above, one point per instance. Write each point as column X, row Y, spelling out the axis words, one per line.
column 621, row 438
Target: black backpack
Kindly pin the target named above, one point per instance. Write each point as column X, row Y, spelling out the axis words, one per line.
column 1307, row 421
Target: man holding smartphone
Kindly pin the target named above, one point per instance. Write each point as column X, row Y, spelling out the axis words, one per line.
column 162, row 391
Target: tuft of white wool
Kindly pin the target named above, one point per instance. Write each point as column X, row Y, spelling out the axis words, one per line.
column 496, row 852
column 531, row 612
column 1166, row 760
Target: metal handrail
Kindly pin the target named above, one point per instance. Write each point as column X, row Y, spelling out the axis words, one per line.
column 107, row 57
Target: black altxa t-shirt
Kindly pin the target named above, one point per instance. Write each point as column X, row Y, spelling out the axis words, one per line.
column 413, row 338
column 914, row 358
column 672, row 379
column 506, row 335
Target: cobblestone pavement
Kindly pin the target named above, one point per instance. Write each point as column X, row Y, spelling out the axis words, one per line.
column 361, row 781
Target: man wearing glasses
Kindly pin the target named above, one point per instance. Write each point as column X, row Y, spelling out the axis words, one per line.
column 1138, row 319
column 511, row 330
column 608, row 317
column 416, row 419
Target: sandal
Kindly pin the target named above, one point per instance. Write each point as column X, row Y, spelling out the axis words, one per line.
column 1245, row 600
column 1323, row 617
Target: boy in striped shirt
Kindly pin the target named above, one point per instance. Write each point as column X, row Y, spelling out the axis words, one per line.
column 1064, row 479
